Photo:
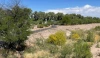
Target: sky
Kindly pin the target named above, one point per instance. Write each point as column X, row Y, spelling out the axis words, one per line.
column 83, row 7
column 42, row 5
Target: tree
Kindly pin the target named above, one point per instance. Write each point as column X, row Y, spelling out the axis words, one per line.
column 59, row 16
column 35, row 15
column 14, row 25
column 66, row 20
column 51, row 16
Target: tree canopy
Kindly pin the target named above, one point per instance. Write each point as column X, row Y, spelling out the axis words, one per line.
column 14, row 24
column 68, row 19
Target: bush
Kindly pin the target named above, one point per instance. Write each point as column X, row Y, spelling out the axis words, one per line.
column 97, row 28
column 46, row 25
column 97, row 38
column 66, row 51
column 90, row 36
column 59, row 38
column 75, row 36
column 44, row 45
column 52, row 49
column 40, row 26
column 82, row 50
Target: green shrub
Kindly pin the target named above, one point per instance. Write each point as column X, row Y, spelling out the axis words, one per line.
column 59, row 38
column 50, row 22
column 77, row 34
column 82, row 50
column 90, row 36
column 53, row 49
column 66, row 51
column 97, row 28
column 40, row 26
column 98, row 33
column 43, row 45
column 46, row 25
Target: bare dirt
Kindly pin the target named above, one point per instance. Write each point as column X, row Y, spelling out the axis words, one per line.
column 95, row 51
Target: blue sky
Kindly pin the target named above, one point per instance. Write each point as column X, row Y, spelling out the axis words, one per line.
column 42, row 5
column 83, row 7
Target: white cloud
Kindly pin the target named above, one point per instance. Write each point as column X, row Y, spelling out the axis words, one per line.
column 86, row 10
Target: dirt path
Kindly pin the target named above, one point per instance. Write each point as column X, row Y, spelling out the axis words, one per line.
column 95, row 51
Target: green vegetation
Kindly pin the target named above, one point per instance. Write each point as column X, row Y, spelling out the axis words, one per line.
column 43, row 25
column 97, row 28
column 46, row 25
column 14, row 27
column 66, row 51
column 90, row 36
column 82, row 50
column 40, row 26
column 63, row 19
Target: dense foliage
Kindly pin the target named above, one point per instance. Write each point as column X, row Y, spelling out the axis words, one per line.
column 14, row 25
column 97, row 28
column 90, row 36
column 82, row 50
column 62, row 19
column 40, row 26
